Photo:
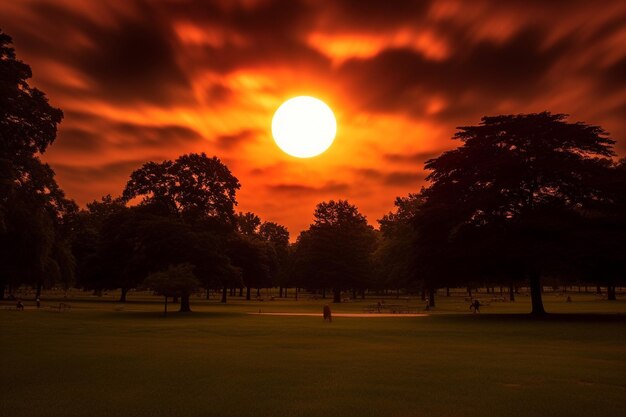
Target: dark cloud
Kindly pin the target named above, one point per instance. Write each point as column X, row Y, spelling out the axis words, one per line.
column 78, row 140
column 410, row 158
column 390, row 178
column 101, row 134
column 402, row 179
column 88, row 174
column 404, row 80
column 132, row 59
column 228, row 142
column 307, row 190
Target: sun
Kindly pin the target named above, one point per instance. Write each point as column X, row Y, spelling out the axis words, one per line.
column 304, row 127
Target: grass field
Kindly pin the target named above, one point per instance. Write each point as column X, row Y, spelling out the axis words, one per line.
column 103, row 359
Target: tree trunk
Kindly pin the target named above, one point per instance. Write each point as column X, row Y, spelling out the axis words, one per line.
column 323, row 292
column 354, row 293
column 2, row 289
column 431, row 297
column 610, row 292
column 511, row 293
column 122, row 295
column 297, row 291
column 208, row 293
column 224, row 291
column 248, row 293
column 363, row 295
column 258, row 293
column 184, row 304
column 447, row 291
column 336, row 295
column 598, row 289
column 241, row 291
column 423, row 294
column 38, row 290
column 165, row 306
column 280, row 292
column 469, row 292
column 535, row 296
column 175, row 300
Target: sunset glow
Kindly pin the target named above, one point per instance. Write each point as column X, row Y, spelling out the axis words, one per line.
column 149, row 81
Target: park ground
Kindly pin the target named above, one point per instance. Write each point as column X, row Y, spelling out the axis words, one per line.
column 102, row 358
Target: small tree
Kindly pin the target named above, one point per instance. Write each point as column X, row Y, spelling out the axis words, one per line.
column 175, row 281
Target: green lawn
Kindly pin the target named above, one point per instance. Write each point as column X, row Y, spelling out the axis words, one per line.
column 101, row 359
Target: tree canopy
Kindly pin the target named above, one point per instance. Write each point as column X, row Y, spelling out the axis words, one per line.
column 194, row 186
column 516, row 178
column 335, row 252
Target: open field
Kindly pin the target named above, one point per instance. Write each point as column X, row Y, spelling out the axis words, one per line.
column 103, row 359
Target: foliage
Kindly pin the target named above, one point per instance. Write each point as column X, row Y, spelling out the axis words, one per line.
column 335, row 252
column 515, row 187
column 193, row 186
column 34, row 213
column 175, row 281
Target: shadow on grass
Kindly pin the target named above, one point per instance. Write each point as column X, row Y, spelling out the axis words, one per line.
column 175, row 315
column 529, row 318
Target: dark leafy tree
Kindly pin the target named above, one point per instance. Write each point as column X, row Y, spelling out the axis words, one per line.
column 175, row 281
column 248, row 224
column 335, row 252
column 277, row 238
column 527, row 176
column 193, row 186
column 394, row 256
column 250, row 256
column 34, row 212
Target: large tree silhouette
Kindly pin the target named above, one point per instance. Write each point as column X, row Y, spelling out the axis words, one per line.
column 335, row 252
column 34, row 213
column 528, row 176
column 193, row 186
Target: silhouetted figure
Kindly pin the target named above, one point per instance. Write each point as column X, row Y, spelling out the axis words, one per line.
column 475, row 306
column 327, row 313
column 19, row 306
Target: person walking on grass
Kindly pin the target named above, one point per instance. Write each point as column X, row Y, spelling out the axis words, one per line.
column 475, row 306
column 327, row 314
column 19, row 306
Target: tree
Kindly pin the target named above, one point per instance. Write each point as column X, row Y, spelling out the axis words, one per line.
column 335, row 252
column 34, row 212
column 528, row 176
column 250, row 256
column 277, row 238
column 175, row 281
column 28, row 124
column 248, row 224
column 395, row 262
column 193, row 186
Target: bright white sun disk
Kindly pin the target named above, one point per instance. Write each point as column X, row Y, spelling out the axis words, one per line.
column 304, row 127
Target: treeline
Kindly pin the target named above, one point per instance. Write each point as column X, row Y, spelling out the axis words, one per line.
column 523, row 198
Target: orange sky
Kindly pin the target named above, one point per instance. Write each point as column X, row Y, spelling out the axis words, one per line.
column 150, row 80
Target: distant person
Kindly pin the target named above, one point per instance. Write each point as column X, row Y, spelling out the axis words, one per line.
column 38, row 302
column 475, row 306
column 19, row 306
column 327, row 314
